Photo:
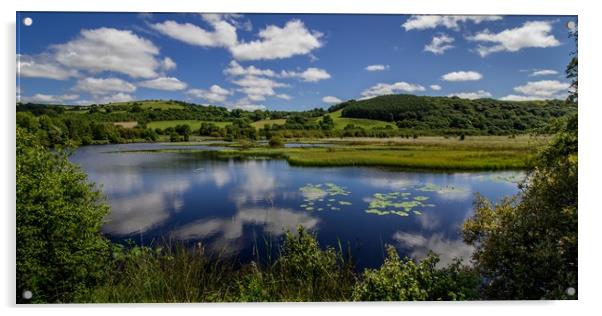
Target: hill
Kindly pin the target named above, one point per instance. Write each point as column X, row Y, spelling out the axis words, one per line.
column 452, row 113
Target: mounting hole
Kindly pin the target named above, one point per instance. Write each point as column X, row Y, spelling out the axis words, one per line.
column 570, row 291
column 27, row 21
column 27, row 295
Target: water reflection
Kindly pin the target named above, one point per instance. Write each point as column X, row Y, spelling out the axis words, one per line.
column 227, row 204
column 419, row 246
column 273, row 221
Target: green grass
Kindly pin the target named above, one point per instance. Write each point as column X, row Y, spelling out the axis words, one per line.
column 303, row 272
column 341, row 122
column 434, row 153
column 194, row 124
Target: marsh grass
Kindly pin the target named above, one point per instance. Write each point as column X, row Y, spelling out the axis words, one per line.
column 302, row 272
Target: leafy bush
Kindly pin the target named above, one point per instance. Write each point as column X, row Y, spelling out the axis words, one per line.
column 60, row 249
column 404, row 280
column 276, row 141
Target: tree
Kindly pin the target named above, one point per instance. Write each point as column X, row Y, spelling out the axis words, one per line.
column 327, row 123
column 526, row 246
column 60, row 248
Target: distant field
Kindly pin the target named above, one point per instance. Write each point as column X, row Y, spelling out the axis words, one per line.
column 193, row 124
column 131, row 124
column 341, row 122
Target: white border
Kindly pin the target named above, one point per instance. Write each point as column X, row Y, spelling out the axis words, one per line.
column 590, row 116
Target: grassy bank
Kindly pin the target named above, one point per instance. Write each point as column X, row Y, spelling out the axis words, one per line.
column 431, row 153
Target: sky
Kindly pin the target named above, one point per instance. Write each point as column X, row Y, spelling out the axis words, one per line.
column 287, row 61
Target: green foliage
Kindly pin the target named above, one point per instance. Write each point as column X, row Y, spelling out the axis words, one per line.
column 60, row 250
column 406, row 280
column 447, row 115
column 276, row 142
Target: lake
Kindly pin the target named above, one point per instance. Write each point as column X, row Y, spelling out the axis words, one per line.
column 236, row 207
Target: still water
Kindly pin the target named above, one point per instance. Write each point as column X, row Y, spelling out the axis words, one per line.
column 233, row 206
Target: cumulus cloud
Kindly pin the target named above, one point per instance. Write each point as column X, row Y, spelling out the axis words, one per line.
column 530, row 34
column 235, row 69
column 515, row 97
column 422, row 22
column 249, row 107
column 377, row 67
column 544, row 89
column 102, row 86
column 435, row 87
column 168, row 64
column 279, row 42
column 439, row 44
column 257, row 88
column 164, row 83
column 118, row 97
column 543, row 72
column 462, row 76
column 222, row 35
column 284, row 96
column 50, row 98
column 309, row 75
column 109, row 49
column 386, row 88
column 214, row 94
column 331, row 100
column 41, row 67
column 471, row 95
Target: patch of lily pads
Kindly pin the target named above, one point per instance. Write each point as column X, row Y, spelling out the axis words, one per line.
column 397, row 203
column 323, row 196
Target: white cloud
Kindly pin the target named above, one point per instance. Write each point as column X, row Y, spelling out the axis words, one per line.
column 223, row 34
column 279, row 42
column 471, row 95
column 119, row 97
column 309, row 75
column 28, row 66
column 331, row 100
column 530, row 34
column 386, row 88
column 439, row 44
column 514, row 97
column 164, row 83
column 543, row 88
column 422, row 22
column 462, row 76
column 214, row 94
column 168, row 64
column 377, row 67
column 49, row 98
column 257, row 88
column 249, row 107
column 435, row 87
column 100, row 86
column 284, row 96
column 543, row 72
column 235, row 69
column 108, row 49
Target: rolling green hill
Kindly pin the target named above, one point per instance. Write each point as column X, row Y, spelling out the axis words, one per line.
column 441, row 113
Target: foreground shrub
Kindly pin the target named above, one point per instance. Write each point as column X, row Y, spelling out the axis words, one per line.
column 60, row 249
column 406, row 280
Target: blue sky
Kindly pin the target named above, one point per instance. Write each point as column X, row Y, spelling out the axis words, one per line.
column 287, row 61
